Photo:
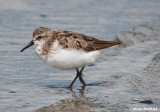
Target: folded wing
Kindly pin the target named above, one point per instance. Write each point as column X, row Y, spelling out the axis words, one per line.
column 84, row 42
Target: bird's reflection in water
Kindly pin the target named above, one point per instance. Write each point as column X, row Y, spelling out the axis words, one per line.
column 77, row 103
column 78, row 92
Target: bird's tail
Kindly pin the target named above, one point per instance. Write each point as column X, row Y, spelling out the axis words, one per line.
column 117, row 40
column 100, row 44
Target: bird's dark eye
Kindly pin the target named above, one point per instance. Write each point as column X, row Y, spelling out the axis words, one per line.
column 39, row 37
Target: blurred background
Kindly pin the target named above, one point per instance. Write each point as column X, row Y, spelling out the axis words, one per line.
column 114, row 82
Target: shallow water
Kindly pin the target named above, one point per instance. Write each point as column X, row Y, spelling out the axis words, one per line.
column 120, row 76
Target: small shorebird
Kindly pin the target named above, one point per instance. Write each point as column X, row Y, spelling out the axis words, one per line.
column 67, row 50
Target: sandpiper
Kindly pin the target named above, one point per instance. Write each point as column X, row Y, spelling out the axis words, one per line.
column 68, row 50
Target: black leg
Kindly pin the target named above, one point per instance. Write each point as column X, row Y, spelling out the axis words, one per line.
column 81, row 78
column 79, row 74
column 74, row 79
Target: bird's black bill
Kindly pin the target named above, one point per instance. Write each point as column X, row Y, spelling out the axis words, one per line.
column 29, row 45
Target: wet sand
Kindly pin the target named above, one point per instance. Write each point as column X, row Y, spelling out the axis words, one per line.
column 123, row 78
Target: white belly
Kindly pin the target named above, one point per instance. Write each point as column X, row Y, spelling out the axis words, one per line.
column 70, row 59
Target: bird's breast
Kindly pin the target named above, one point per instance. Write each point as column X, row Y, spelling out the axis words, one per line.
column 69, row 58
column 40, row 52
column 65, row 58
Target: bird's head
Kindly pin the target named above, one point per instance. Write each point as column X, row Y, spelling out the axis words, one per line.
column 40, row 34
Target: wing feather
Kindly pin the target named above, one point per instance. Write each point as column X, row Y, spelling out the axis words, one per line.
column 87, row 43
